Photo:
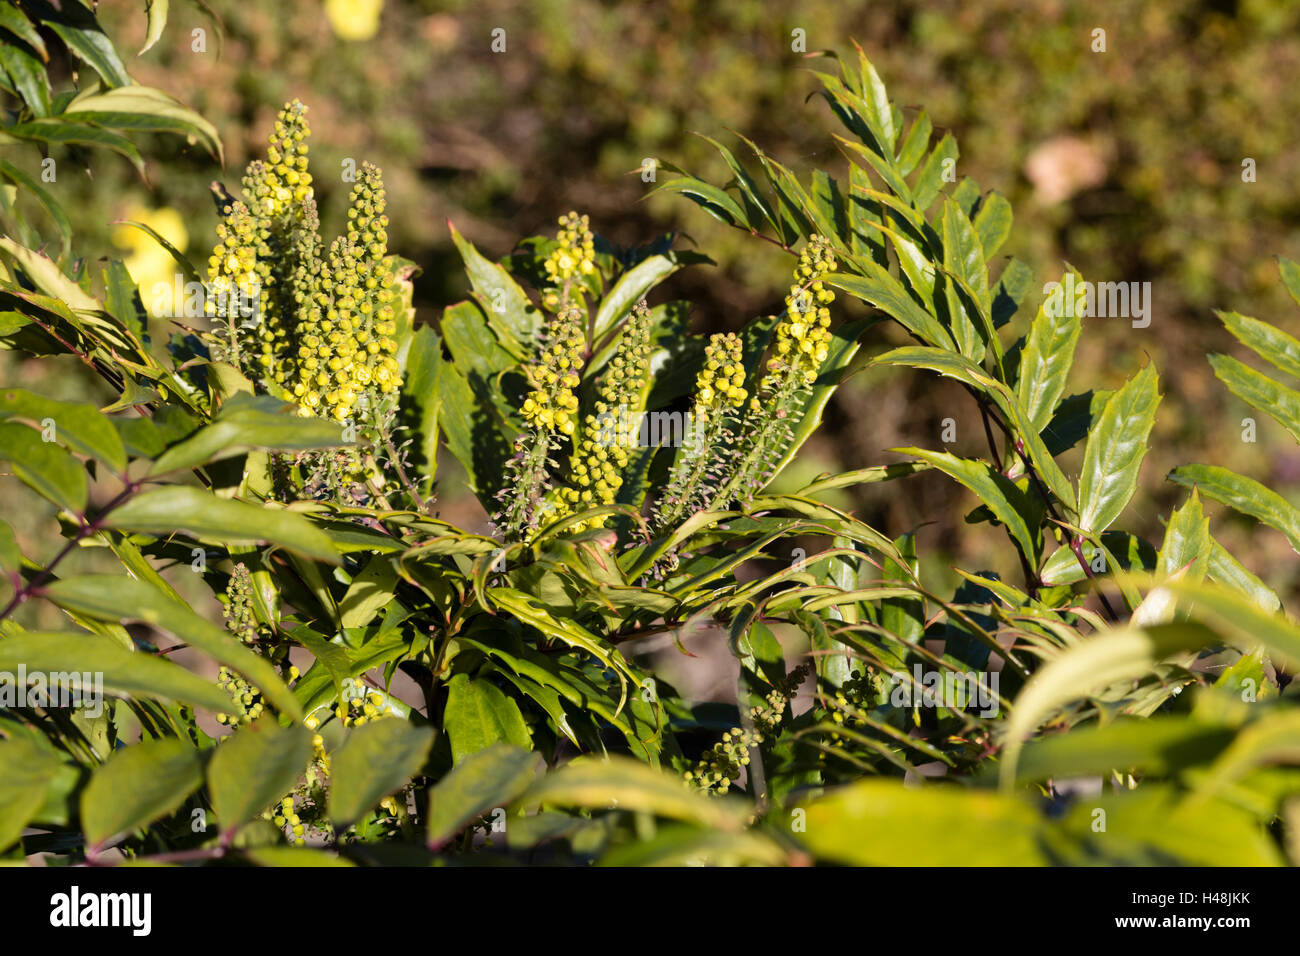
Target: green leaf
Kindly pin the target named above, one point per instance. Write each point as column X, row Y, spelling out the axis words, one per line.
column 1090, row 665
column 157, row 13
column 1260, row 391
column 993, row 223
column 48, row 277
column 507, row 307
column 1268, row 341
column 41, row 195
column 1274, row 738
column 1187, row 541
column 377, row 759
column 1152, row 826
column 255, row 767
column 138, row 785
column 12, row 19
column 490, row 778
column 420, row 392
column 187, row 268
column 1239, row 618
column 915, row 144
column 114, row 598
column 1290, row 276
column 371, row 589
column 77, row 27
column 631, row 287
column 1115, row 450
column 624, row 784
column 930, row 180
column 684, row 845
column 998, row 493
column 1130, row 552
column 26, row 772
column 123, row 672
column 946, row 826
column 882, row 290
column 531, row 611
column 478, row 715
column 1154, row 745
column 1245, row 495
column 963, row 258
column 143, row 109
column 244, row 423
column 81, row 427
column 711, row 199
column 44, row 467
column 61, row 131
column 27, row 74
column 1226, row 569
column 173, row 509
column 1045, row 362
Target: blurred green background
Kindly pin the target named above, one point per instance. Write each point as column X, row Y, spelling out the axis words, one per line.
column 1125, row 163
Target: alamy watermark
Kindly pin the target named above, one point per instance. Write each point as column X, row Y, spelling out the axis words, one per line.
column 1127, row 300
column 953, row 690
column 622, row 428
column 80, row 689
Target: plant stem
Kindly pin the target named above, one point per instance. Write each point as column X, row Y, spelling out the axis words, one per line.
column 85, row 531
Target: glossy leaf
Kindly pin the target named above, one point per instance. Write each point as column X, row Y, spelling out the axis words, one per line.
column 138, row 785
column 376, row 760
column 1115, row 450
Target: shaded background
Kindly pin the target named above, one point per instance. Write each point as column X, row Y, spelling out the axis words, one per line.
column 1126, row 163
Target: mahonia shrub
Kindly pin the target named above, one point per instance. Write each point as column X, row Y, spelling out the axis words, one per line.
column 391, row 687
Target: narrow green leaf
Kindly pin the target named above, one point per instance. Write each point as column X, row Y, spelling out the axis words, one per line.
column 478, row 715
column 998, row 493
column 515, row 319
column 114, row 598
column 1115, row 450
column 174, row 509
column 947, row 826
column 255, row 767
column 137, row 108
column 138, row 785
column 993, row 223
column 631, row 287
column 26, row 772
column 124, row 672
column 76, row 26
column 81, row 427
column 44, row 467
column 625, row 784
column 243, row 423
column 1045, row 362
column 1259, row 390
column 490, row 778
column 1227, row 570
column 157, row 14
column 377, row 759
column 1245, row 495
column 1088, row 666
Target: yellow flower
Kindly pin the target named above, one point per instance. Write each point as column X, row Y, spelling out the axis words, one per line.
column 354, row 19
column 149, row 263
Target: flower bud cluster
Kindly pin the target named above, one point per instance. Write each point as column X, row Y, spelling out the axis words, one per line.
column 601, row 457
column 552, row 405
column 723, row 763
column 803, row 336
column 327, row 335
column 573, row 258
